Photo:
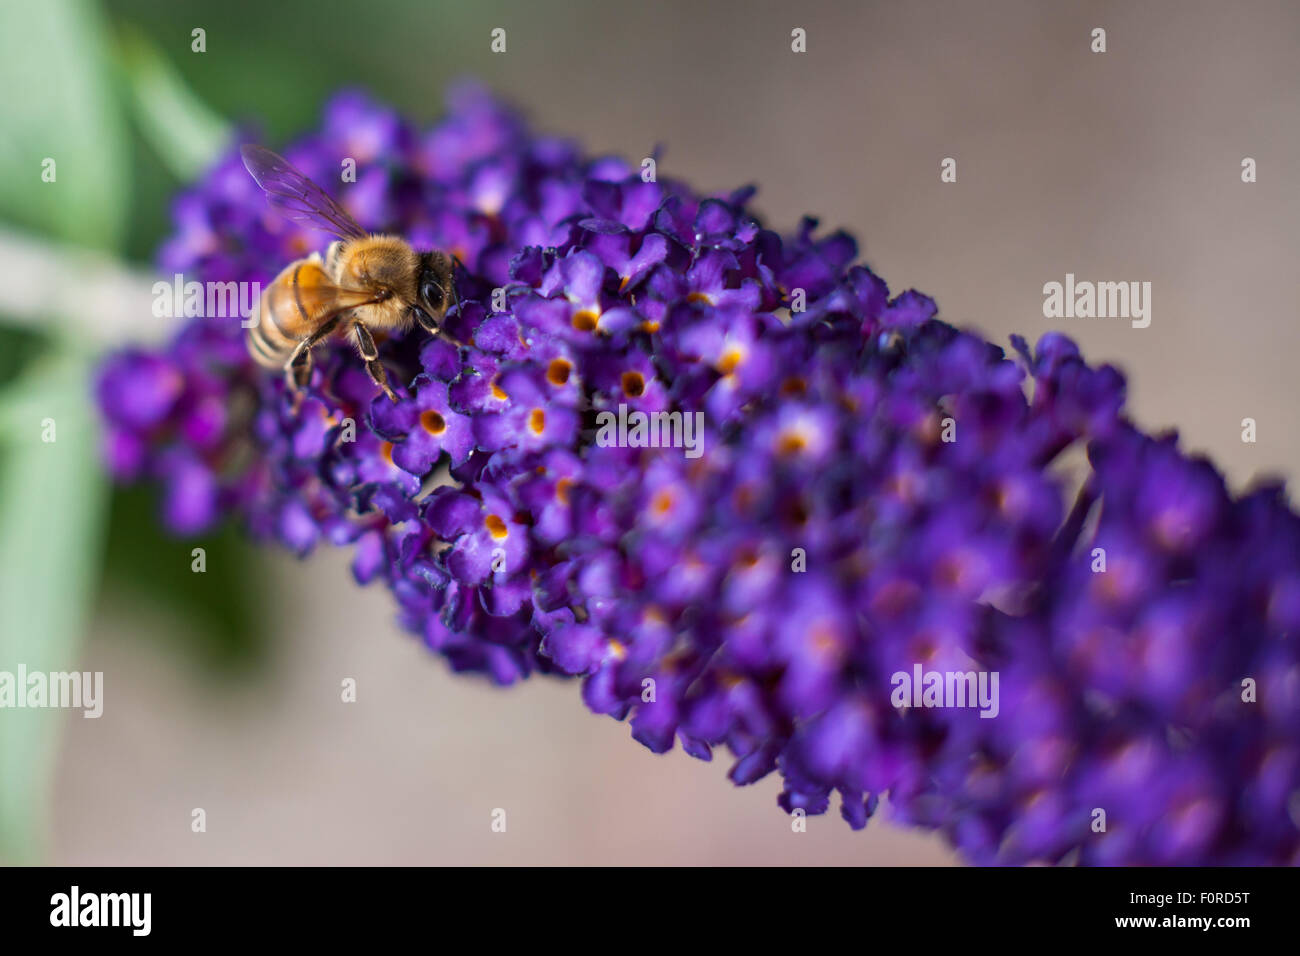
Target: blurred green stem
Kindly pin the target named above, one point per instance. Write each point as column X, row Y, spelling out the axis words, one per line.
column 91, row 295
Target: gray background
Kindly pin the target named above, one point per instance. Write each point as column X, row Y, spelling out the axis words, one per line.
column 1120, row 166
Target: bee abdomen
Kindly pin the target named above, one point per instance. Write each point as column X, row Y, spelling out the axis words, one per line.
column 282, row 319
column 263, row 353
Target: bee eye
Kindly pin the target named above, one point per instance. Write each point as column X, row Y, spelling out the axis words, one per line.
column 431, row 292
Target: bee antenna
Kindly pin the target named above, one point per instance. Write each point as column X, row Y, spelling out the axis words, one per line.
column 455, row 296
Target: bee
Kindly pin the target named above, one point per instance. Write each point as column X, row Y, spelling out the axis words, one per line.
column 366, row 283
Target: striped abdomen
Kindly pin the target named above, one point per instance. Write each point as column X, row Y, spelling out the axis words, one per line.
column 281, row 320
column 300, row 300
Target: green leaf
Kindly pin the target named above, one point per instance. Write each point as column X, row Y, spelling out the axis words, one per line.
column 18, row 347
column 63, row 159
column 59, row 107
column 185, row 133
column 51, row 517
column 223, row 626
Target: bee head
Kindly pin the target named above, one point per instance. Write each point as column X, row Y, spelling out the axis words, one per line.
column 435, row 284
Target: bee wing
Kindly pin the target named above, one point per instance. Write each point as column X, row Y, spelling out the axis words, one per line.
column 307, row 298
column 296, row 196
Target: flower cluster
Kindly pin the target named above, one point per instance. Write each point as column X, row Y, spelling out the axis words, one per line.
column 870, row 491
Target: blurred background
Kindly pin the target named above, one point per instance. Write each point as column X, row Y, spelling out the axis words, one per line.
column 222, row 689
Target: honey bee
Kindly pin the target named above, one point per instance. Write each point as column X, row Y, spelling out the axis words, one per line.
column 366, row 283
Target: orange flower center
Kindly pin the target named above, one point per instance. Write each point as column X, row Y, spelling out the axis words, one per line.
column 432, row 422
column 729, row 361
column 584, row 320
column 791, row 443
column 633, row 384
column 557, row 373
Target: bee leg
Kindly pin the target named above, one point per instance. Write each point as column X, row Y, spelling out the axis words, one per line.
column 425, row 320
column 451, row 281
column 431, row 326
column 297, row 370
column 455, row 295
column 370, row 352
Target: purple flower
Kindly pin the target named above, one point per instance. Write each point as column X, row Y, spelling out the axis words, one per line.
column 424, row 428
column 814, row 488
